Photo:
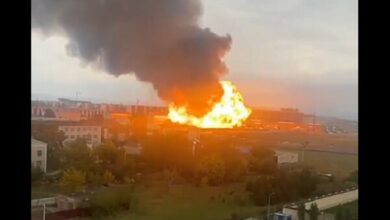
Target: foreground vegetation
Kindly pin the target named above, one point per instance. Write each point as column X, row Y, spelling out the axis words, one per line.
column 171, row 180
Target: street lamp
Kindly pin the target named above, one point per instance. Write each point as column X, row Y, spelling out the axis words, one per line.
column 269, row 202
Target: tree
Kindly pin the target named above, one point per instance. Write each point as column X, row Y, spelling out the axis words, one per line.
column 262, row 160
column 314, row 211
column 108, row 177
column 353, row 176
column 213, row 168
column 36, row 173
column 78, row 155
column 73, row 180
column 307, row 183
column 301, row 211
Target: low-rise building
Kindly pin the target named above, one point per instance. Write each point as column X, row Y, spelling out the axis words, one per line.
column 286, row 157
column 323, row 203
column 92, row 134
column 39, row 154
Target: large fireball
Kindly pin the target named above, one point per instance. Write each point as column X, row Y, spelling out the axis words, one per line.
column 229, row 112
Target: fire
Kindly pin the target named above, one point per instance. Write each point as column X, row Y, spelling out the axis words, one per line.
column 229, row 112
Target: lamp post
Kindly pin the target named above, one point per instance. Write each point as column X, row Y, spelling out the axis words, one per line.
column 269, row 203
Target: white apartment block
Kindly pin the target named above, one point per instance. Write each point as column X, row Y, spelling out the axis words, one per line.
column 92, row 134
column 39, row 154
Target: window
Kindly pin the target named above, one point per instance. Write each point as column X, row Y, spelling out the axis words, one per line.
column 78, row 129
column 72, row 136
column 83, row 129
column 72, row 129
column 66, row 129
column 39, row 163
column 78, row 136
column 66, row 136
column 95, row 136
column 39, row 153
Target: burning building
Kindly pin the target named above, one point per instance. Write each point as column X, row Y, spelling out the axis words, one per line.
column 161, row 43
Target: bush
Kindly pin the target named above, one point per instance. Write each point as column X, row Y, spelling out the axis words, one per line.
column 109, row 203
column 239, row 200
column 73, row 180
column 94, row 179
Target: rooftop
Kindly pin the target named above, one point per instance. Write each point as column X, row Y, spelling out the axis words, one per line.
column 35, row 141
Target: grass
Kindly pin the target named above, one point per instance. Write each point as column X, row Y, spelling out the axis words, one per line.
column 338, row 164
column 44, row 190
column 189, row 202
column 352, row 206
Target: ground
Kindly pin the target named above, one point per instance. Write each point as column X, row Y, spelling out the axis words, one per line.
column 338, row 164
column 190, row 203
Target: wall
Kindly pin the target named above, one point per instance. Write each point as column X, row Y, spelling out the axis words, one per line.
column 35, row 147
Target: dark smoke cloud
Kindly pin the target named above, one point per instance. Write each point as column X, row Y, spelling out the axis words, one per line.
column 159, row 41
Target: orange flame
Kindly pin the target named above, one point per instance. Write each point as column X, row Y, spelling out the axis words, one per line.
column 229, row 112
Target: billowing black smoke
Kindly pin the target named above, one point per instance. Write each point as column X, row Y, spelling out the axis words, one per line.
column 159, row 41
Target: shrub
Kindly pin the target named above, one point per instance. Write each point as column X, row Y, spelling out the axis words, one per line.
column 109, row 203
column 73, row 180
column 239, row 200
column 108, row 177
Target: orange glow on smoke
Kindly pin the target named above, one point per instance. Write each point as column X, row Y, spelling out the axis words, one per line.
column 229, row 112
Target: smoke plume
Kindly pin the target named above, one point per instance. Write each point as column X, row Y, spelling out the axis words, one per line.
column 159, row 41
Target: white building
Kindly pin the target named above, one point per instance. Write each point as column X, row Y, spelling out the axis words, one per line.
column 285, row 157
column 324, row 203
column 92, row 134
column 39, row 154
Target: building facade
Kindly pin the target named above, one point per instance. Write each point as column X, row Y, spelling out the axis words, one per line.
column 92, row 134
column 285, row 157
column 39, row 154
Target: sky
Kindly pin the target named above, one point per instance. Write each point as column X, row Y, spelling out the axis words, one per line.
column 298, row 53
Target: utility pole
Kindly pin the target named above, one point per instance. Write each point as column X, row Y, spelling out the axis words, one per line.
column 44, row 211
column 269, row 203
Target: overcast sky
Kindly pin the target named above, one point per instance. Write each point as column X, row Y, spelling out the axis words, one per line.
column 295, row 53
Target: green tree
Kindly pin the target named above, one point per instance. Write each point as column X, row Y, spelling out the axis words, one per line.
column 314, row 211
column 213, row 168
column 79, row 156
column 36, row 174
column 353, row 176
column 108, row 177
column 301, row 211
column 73, row 180
column 307, row 183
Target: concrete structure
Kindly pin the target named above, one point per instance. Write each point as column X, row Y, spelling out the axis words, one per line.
column 281, row 216
column 39, row 154
column 324, row 203
column 285, row 157
column 92, row 134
